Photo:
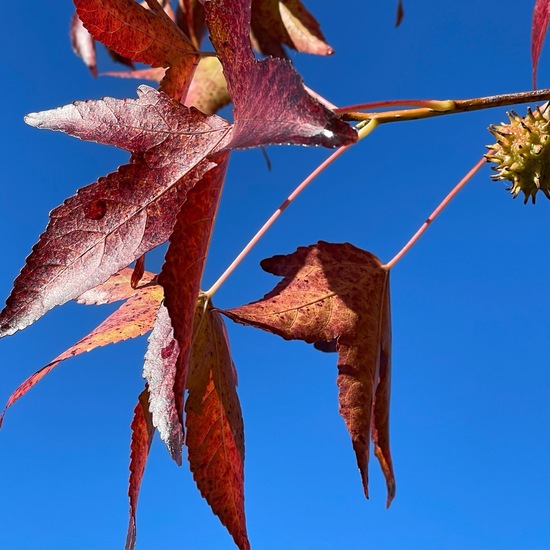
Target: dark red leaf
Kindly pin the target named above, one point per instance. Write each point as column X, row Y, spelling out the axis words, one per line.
column 83, row 44
column 142, row 436
column 117, row 58
column 215, row 433
column 133, row 318
column 338, row 291
column 271, row 104
column 138, row 204
column 541, row 16
column 277, row 22
column 142, row 35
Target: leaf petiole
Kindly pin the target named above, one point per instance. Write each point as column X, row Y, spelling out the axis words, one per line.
column 436, row 213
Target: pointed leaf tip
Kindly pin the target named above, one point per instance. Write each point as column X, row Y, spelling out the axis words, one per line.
column 133, row 318
column 142, row 437
column 160, row 368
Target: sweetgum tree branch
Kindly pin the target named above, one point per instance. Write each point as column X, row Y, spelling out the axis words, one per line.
column 433, row 108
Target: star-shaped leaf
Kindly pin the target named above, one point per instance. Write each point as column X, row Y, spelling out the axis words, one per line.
column 215, row 433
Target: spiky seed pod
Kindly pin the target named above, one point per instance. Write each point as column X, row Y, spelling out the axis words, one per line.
column 522, row 152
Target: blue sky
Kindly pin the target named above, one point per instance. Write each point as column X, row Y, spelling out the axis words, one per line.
column 470, row 411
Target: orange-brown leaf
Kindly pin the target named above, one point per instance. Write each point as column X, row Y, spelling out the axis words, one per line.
column 215, row 435
column 278, row 22
column 133, row 318
column 142, row 35
column 142, row 436
column 338, row 292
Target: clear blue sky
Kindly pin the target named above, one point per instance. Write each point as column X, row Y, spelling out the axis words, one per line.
column 470, row 407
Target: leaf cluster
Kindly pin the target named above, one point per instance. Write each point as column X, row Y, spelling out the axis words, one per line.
column 334, row 296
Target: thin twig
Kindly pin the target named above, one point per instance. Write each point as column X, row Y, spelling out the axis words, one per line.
column 436, row 213
column 448, row 107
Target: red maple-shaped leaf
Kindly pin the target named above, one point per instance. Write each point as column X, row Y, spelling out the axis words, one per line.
column 271, row 104
column 215, row 434
column 142, row 436
column 541, row 16
column 277, row 22
column 143, row 35
column 133, row 318
column 110, row 223
column 338, row 292
column 167, row 360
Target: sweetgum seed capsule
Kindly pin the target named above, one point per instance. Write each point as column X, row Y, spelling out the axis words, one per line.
column 522, row 152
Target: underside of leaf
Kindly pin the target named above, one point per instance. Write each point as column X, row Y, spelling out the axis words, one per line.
column 135, row 317
column 541, row 17
column 167, row 359
column 277, row 22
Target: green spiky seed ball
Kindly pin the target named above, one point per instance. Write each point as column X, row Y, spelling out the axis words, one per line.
column 522, row 152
